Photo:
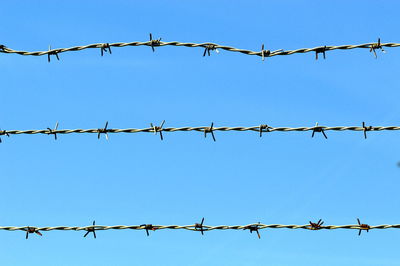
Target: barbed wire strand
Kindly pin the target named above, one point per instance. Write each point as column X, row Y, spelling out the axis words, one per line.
column 104, row 47
column 211, row 129
column 199, row 227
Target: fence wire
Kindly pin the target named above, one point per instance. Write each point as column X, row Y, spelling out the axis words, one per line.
column 261, row 129
column 199, row 227
column 208, row 47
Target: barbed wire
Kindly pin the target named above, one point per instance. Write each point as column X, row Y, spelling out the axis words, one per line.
column 198, row 227
column 208, row 47
column 263, row 128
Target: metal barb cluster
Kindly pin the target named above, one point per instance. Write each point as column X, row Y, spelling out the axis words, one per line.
column 3, row 132
column 105, row 48
column 91, row 230
column 365, row 128
column 103, row 131
column 153, row 43
column 53, row 131
column 363, row 227
column 318, row 129
column 158, row 129
column 256, row 227
column 200, row 226
column 317, row 225
column 52, row 52
column 206, row 130
column 32, row 230
column 209, row 130
column 208, row 47
column 320, row 50
column 264, row 53
column 376, row 46
column 148, row 227
column 262, row 128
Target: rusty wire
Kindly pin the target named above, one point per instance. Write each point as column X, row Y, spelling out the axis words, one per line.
column 199, row 227
column 205, row 129
column 208, row 47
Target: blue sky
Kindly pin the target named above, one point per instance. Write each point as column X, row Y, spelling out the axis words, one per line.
column 287, row 178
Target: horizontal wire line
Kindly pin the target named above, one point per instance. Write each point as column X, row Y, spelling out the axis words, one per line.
column 209, row 46
column 195, row 227
column 261, row 128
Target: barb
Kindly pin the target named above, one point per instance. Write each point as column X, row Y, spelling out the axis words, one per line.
column 52, row 52
column 102, row 130
column 366, row 129
column 320, row 50
column 317, row 225
column 204, row 129
column 106, row 47
column 92, row 229
column 210, row 47
column 318, row 129
column 53, row 131
column 31, row 230
column 254, row 228
column 363, row 227
column 206, row 46
column 209, row 129
column 262, row 128
column 201, row 227
column 3, row 132
column 148, row 227
column 264, row 53
column 158, row 129
column 376, row 46
column 154, row 43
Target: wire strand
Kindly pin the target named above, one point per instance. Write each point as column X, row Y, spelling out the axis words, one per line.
column 207, row 46
column 157, row 129
column 195, row 227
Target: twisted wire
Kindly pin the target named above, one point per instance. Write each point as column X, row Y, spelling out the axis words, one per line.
column 261, row 129
column 208, row 46
column 195, row 227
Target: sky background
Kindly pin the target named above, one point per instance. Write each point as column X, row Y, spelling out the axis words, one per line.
column 286, row 178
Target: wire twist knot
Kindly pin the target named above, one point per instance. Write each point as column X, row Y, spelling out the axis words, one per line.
column 209, row 130
column 153, row 43
column 52, row 52
column 264, row 53
column 4, row 132
column 32, row 230
column 320, row 50
column 262, row 128
column 365, row 129
column 91, row 229
column 105, row 47
column 199, row 226
column 317, row 225
column 53, row 131
column 158, row 129
column 148, row 227
column 320, row 129
column 365, row 227
column 103, row 131
column 254, row 228
column 208, row 48
column 376, row 46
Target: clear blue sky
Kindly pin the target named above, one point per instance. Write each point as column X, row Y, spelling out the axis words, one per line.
column 286, row 178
